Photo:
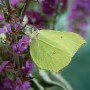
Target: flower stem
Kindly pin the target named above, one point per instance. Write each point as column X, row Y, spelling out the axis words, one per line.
column 27, row 3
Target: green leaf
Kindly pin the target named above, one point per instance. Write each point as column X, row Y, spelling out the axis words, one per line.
column 56, row 80
column 53, row 50
column 11, row 74
column 36, row 85
column 20, row 10
column 6, row 16
column 32, row 5
column 1, row 7
column 8, row 4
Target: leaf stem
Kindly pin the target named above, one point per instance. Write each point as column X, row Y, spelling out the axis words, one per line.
column 53, row 22
column 27, row 3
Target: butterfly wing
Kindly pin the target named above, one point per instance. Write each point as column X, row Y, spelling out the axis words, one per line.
column 53, row 50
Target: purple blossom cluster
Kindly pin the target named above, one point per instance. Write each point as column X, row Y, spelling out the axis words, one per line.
column 78, row 16
column 35, row 19
column 22, row 44
column 15, row 62
column 8, row 84
column 49, row 8
column 16, row 65
column 1, row 17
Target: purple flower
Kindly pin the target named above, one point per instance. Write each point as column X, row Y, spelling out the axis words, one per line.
column 8, row 84
column 3, row 65
column 49, row 6
column 14, row 3
column 8, row 27
column 1, row 17
column 78, row 16
column 1, row 88
column 22, row 44
column 6, row 30
column 80, row 8
column 16, row 25
column 34, row 18
column 80, row 30
column 2, row 30
column 27, row 69
column 22, row 85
